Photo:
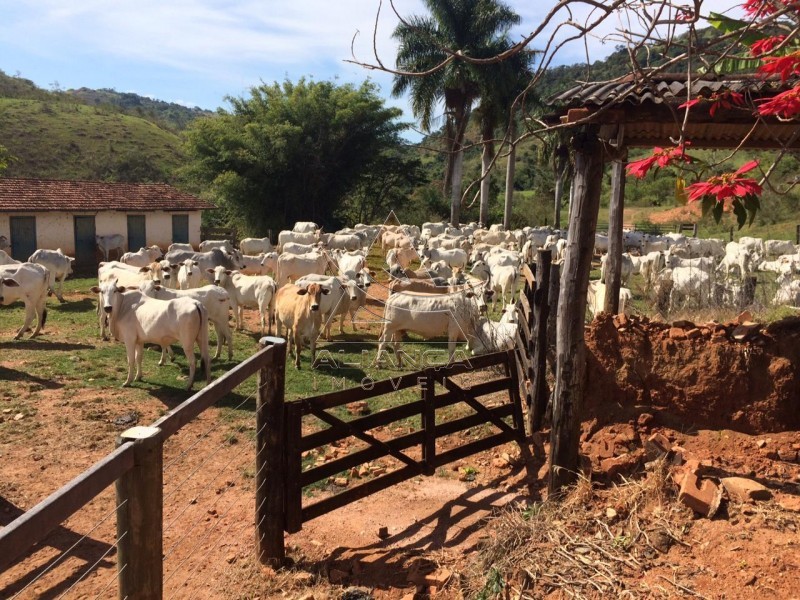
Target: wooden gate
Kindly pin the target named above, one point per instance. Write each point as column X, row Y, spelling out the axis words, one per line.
column 137, row 233
column 85, row 243
column 416, row 451
column 23, row 237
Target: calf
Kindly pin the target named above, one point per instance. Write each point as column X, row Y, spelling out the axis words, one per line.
column 297, row 309
column 27, row 282
column 58, row 265
column 136, row 319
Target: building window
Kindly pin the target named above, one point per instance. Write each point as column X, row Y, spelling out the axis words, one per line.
column 137, row 234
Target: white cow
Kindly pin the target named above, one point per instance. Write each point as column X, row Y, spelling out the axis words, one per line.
column 226, row 245
column 431, row 315
column 343, row 291
column 285, row 237
column 596, row 298
column 493, row 337
column 189, row 275
column 291, row 267
column 5, row 259
column 248, row 291
column 305, row 227
column 135, row 320
column 255, row 245
column 456, row 258
column 107, row 243
column 180, row 246
column 58, row 265
column 502, row 279
column 295, row 248
column 689, row 284
column 254, row 265
column 778, row 247
column 27, row 282
column 214, row 298
column 401, row 257
column 626, row 267
column 142, row 257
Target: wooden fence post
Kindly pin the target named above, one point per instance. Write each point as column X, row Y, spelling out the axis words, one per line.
column 429, row 423
column 140, row 511
column 270, row 456
column 541, row 393
column 613, row 269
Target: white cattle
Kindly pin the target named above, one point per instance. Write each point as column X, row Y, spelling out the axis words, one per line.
column 434, row 229
column 501, row 278
column 125, row 276
column 343, row 291
column 753, row 244
column 689, row 284
column 297, row 309
column 214, row 298
column 493, row 337
column 4, row 242
column 107, row 243
column 600, row 243
column 135, row 320
column 431, row 315
column 341, row 241
column 216, row 257
column 305, row 227
column 142, row 257
column 596, row 298
column 699, row 247
column 401, row 256
column 226, row 245
column 5, row 259
column 248, row 291
column 189, row 275
column 778, row 247
column 255, row 245
column 254, row 265
column 704, row 263
column 58, row 266
column 395, row 239
column 290, row 267
column 509, row 314
column 455, row 259
column 788, row 292
column 351, row 264
column 26, row 282
column 739, row 257
column 285, row 237
column 270, row 263
column 295, row 248
column 180, row 246
column 626, row 267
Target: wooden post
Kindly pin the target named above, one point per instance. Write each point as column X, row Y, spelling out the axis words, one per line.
column 570, row 349
column 140, row 511
column 552, row 300
column 797, row 235
column 270, row 456
column 428, row 422
column 541, row 393
column 613, row 268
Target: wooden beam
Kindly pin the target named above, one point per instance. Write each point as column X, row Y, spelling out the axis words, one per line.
column 613, row 269
column 570, row 349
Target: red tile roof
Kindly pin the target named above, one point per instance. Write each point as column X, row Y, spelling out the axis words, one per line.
column 34, row 195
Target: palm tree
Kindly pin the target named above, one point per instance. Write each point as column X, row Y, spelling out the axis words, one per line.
column 468, row 27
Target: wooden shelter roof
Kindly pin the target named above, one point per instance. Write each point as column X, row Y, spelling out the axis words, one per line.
column 649, row 111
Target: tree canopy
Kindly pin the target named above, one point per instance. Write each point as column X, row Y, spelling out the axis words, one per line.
column 292, row 151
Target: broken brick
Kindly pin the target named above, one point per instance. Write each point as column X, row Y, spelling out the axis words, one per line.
column 702, row 496
column 745, row 490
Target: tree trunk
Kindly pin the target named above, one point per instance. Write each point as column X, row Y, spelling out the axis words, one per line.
column 486, row 161
column 455, row 190
column 614, row 259
column 570, row 348
column 557, row 207
column 510, row 168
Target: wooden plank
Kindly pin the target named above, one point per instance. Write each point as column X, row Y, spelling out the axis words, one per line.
column 541, row 393
column 429, row 424
column 294, row 465
column 364, row 436
column 473, row 448
column 357, row 458
column 519, row 423
column 377, row 419
column 363, row 490
column 212, row 393
column 33, row 525
column 479, row 408
column 466, row 366
column 528, row 275
column 379, row 388
column 613, row 267
column 526, row 312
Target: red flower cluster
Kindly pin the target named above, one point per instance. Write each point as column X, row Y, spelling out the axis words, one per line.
column 728, row 186
column 766, row 45
column 759, row 8
column 726, row 99
column 662, row 157
column 785, row 66
column 784, row 105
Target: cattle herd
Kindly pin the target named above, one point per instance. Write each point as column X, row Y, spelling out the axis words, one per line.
column 312, row 278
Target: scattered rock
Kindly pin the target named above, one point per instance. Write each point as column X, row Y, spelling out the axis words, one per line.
column 761, row 443
column 702, row 496
column 751, row 580
column 341, row 481
column 787, row 454
column 231, row 558
column 376, row 471
column 676, row 333
column 745, row 490
column 744, row 317
column 358, row 408
column 618, row 465
column 19, row 416
column 746, row 331
column 438, row 578
column 610, row 513
column 337, row 576
column 383, row 533
column 656, row 446
column 790, row 503
column 693, row 334
column 645, row 420
column 660, row 540
column 683, row 324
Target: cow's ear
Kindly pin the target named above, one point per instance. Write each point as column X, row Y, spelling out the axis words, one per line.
column 469, row 295
column 326, row 291
column 120, row 289
column 144, row 270
column 228, row 271
column 195, row 263
column 302, row 291
column 130, row 288
column 94, row 289
column 10, row 283
column 157, row 288
column 175, row 266
column 210, row 271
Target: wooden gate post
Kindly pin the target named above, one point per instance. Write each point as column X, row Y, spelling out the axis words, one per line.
column 613, row 270
column 541, row 393
column 140, row 511
column 270, row 456
column 428, row 393
column 570, row 347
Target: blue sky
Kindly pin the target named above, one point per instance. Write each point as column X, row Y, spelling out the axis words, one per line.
column 195, row 52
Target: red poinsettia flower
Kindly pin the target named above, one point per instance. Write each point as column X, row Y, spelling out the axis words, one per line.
column 785, row 105
column 767, row 45
column 662, row 157
column 785, row 66
column 727, row 186
column 759, row 8
column 726, row 99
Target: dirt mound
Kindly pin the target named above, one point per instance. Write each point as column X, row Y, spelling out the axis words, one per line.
column 694, row 376
column 680, row 214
